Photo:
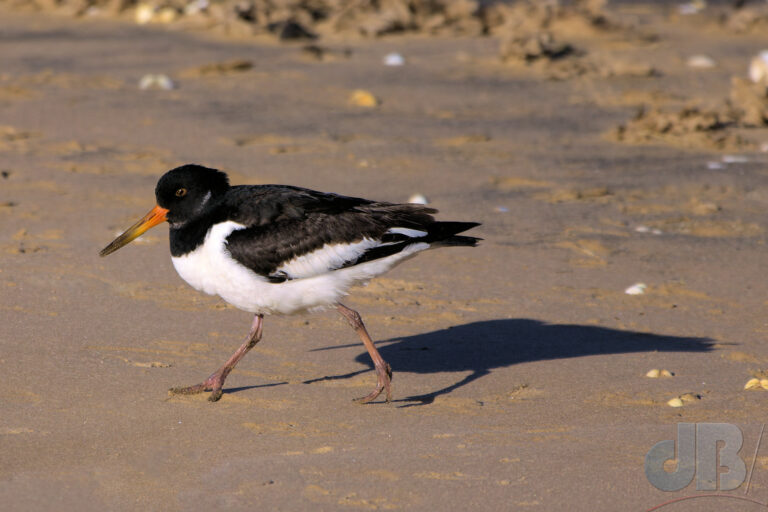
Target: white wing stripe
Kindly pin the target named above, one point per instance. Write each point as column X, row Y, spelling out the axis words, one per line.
column 328, row 257
column 411, row 233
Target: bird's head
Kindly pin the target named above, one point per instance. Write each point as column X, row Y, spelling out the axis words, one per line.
column 182, row 195
column 185, row 192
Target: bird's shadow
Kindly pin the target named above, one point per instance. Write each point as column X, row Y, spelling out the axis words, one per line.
column 479, row 347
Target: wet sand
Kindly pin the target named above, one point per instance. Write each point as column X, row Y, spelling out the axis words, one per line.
column 519, row 366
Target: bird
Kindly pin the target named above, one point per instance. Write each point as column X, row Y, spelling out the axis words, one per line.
column 282, row 249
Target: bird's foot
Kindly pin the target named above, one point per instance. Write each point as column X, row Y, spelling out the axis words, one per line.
column 214, row 383
column 384, row 383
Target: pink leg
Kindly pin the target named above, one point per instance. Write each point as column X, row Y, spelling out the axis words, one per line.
column 215, row 382
column 383, row 371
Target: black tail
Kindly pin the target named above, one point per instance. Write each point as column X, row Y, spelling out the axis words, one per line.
column 467, row 241
column 439, row 234
column 443, row 234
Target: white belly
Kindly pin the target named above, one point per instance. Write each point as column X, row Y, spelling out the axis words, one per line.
column 211, row 269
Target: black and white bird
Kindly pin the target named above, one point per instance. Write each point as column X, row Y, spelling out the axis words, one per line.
column 279, row 249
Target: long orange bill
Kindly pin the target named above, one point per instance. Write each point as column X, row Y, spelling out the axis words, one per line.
column 153, row 218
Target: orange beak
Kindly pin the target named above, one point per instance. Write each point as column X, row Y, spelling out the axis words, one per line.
column 153, row 218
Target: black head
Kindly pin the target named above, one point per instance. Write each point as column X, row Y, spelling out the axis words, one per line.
column 185, row 191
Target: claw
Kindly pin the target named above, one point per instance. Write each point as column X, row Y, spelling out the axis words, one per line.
column 384, row 380
column 213, row 383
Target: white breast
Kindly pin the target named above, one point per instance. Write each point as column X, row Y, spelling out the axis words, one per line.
column 211, row 269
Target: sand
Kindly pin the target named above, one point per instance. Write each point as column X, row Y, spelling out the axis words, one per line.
column 519, row 366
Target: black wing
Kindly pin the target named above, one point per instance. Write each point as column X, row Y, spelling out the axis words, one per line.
column 285, row 223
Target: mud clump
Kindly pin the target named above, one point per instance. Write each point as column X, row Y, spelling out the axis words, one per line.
column 531, row 33
column 746, row 107
column 536, row 34
column 746, row 19
column 309, row 19
column 530, row 17
column 749, row 103
column 532, row 47
column 688, row 127
column 287, row 19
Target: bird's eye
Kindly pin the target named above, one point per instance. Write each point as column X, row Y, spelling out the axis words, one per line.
column 181, row 192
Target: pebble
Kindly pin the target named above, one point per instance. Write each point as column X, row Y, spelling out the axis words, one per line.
column 144, row 13
column 701, row 62
column 166, row 15
column 147, row 13
column 646, row 229
column 418, row 199
column 195, row 7
column 694, row 7
column 363, row 98
column 394, row 59
column 502, row 209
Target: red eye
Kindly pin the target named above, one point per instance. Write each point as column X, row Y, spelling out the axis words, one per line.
column 181, row 192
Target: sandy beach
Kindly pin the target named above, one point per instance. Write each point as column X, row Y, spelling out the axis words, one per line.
column 519, row 366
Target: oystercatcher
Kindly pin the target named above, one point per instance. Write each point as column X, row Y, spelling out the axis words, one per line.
column 279, row 249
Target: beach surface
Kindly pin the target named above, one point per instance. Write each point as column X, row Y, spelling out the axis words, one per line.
column 519, row 366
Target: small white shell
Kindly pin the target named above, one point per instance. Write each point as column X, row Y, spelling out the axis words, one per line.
column 164, row 82
column 675, row 402
column 653, row 374
column 418, row 199
column 146, row 82
column 636, row 289
column 156, row 82
column 646, row 229
column 734, row 159
column 758, row 68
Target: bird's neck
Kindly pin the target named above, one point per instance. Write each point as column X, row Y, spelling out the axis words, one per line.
column 190, row 235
